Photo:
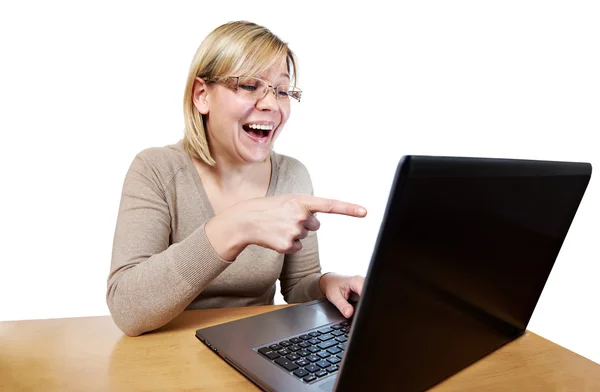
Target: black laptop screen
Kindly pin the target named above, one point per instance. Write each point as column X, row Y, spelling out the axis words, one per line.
column 462, row 257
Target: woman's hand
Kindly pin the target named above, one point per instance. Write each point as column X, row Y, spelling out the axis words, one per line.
column 338, row 288
column 277, row 223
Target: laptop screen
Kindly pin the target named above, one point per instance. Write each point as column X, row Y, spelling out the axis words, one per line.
column 463, row 254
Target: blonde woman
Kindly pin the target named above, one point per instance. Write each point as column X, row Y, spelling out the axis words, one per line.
column 215, row 219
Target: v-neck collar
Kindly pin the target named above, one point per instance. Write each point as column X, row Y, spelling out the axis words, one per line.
column 200, row 187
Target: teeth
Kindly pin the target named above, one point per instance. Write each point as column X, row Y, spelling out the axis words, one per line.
column 262, row 127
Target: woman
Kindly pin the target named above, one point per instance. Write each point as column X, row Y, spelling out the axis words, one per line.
column 214, row 220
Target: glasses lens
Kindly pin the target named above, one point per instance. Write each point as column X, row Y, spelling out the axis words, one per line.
column 251, row 87
column 291, row 92
column 255, row 88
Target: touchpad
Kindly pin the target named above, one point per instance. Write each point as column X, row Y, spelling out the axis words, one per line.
column 327, row 308
column 328, row 386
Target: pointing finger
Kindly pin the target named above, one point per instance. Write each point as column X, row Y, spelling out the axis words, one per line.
column 330, row 206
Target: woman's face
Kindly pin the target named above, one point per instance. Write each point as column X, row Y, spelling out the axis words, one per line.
column 233, row 118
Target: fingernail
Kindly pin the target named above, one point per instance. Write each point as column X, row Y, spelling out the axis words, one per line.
column 361, row 211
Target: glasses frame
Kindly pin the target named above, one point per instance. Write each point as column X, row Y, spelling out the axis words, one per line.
column 275, row 89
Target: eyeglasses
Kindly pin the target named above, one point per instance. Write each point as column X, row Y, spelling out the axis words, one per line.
column 256, row 88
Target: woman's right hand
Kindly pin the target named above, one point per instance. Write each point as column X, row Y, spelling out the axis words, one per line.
column 277, row 223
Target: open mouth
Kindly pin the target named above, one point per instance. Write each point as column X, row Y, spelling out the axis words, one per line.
column 258, row 132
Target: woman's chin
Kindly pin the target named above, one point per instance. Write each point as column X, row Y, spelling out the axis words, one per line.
column 256, row 157
column 257, row 154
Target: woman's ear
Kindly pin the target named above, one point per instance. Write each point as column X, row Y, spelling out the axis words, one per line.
column 200, row 96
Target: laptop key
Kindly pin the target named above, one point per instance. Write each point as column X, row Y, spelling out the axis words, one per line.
column 333, row 350
column 303, row 362
column 337, row 333
column 305, row 337
column 325, row 330
column 284, row 352
column 324, row 354
column 293, row 357
column 295, row 340
column 302, row 353
column 313, row 349
column 275, row 347
column 321, row 373
column 288, row 365
column 332, row 369
column 312, row 358
column 337, row 326
column 310, row 378
column 323, row 364
column 301, row 373
column 341, row 339
column 326, row 337
column 285, row 343
column 342, row 346
column 272, row 355
column 293, row 348
column 314, row 334
column 264, row 350
column 313, row 341
column 334, row 360
column 312, row 368
column 267, row 352
column 326, row 345
column 304, row 344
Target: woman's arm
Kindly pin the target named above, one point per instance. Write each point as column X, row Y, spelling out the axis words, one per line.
column 150, row 281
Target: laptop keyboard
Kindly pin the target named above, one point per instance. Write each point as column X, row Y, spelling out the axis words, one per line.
column 311, row 355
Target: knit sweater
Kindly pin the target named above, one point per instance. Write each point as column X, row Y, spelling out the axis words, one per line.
column 163, row 263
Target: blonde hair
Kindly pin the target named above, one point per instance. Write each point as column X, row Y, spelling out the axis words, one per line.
column 233, row 49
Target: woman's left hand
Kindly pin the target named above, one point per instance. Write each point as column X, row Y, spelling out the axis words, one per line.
column 338, row 288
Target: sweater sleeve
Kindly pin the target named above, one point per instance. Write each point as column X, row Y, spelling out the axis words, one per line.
column 152, row 281
column 301, row 271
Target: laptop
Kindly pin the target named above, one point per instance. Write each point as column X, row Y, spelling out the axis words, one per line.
column 462, row 256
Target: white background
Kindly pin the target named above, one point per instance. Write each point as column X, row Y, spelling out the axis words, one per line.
column 83, row 88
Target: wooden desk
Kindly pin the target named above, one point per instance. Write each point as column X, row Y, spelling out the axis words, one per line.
column 91, row 353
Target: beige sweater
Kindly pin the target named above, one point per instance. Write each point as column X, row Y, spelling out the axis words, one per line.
column 163, row 263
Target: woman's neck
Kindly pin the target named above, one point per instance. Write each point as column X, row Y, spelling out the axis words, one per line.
column 231, row 176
